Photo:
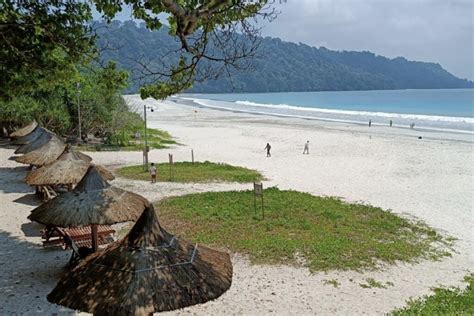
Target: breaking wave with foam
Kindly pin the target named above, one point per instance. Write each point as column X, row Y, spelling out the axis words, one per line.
column 421, row 121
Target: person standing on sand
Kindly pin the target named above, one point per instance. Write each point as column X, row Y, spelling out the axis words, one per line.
column 306, row 148
column 390, row 123
column 153, row 173
column 267, row 148
column 370, row 123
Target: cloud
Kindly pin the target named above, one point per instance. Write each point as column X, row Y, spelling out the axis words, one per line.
column 440, row 31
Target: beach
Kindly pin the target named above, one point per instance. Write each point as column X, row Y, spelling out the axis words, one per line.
column 429, row 179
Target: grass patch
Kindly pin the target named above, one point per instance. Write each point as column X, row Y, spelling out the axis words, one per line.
column 326, row 232
column 332, row 282
column 445, row 301
column 156, row 139
column 372, row 283
column 193, row 172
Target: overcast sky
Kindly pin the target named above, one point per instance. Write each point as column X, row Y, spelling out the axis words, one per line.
column 427, row 30
column 439, row 31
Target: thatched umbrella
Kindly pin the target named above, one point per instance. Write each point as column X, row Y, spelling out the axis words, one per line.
column 44, row 155
column 42, row 139
column 28, row 138
column 68, row 169
column 92, row 202
column 148, row 271
column 24, row 130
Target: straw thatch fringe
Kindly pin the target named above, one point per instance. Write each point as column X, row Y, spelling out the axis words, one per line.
column 23, row 140
column 148, row 271
column 104, row 173
column 44, row 155
column 93, row 201
column 83, row 156
column 69, row 168
column 24, row 130
column 35, row 144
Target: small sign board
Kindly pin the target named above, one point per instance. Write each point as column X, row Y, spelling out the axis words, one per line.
column 258, row 188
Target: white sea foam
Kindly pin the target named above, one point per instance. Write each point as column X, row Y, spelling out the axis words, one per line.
column 426, row 122
column 363, row 113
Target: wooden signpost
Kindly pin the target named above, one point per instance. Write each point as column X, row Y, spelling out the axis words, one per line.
column 170, row 156
column 258, row 192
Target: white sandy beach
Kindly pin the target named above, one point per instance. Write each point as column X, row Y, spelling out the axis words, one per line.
column 431, row 179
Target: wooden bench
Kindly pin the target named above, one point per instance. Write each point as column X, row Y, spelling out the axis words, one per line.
column 48, row 192
column 54, row 236
column 78, row 252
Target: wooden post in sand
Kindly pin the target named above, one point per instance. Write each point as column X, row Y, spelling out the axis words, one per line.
column 192, row 156
column 170, row 157
column 258, row 191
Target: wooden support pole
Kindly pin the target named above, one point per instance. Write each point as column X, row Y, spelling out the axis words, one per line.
column 192, row 156
column 95, row 237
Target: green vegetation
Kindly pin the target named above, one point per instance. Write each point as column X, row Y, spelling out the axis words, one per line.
column 326, row 232
column 332, row 282
column 124, row 139
column 445, row 301
column 51, row 66
column 285, row 66
column 193, row 172
column 372, row 283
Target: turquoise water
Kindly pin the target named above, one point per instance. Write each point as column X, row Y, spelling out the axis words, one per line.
column 447, row 109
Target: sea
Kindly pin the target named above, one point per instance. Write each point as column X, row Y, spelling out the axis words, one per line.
column 450, row 110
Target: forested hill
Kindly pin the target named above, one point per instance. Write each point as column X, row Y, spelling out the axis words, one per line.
column 285, row 66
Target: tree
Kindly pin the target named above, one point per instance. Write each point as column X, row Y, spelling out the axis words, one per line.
column 41, row 41
column 227, row 28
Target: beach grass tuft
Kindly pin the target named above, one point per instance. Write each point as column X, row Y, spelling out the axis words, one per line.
column 193, row 172
column 444, row 301
column 325, row 232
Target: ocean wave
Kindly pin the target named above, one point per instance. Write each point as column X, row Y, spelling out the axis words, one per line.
column 437, row 118
column 432, row 122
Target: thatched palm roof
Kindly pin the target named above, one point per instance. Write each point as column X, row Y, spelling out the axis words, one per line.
column 148, row 271
column 28, row 138
column 44, row 155
column 93, row 202
column 42, row 139
column 69, row 168
column 24, row 130
column 83, row 156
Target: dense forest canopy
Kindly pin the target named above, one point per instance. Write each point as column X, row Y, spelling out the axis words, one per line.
column 51, row 69
column 278, row 65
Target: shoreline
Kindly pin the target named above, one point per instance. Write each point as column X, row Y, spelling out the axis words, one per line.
column 455, row 123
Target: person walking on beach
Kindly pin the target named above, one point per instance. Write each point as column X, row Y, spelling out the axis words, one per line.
column 267, row 148
column 390, row 123
column 370, row 123
column 153, row 173
column 306, row 148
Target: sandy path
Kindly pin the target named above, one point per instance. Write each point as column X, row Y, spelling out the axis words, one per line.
column 431, row 179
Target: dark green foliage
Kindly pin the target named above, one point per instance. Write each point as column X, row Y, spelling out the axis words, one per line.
column 284, row 66
column 41, row 42
column 55, row 104
column 323, row 231
column 194, row 26
column 444, row 301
